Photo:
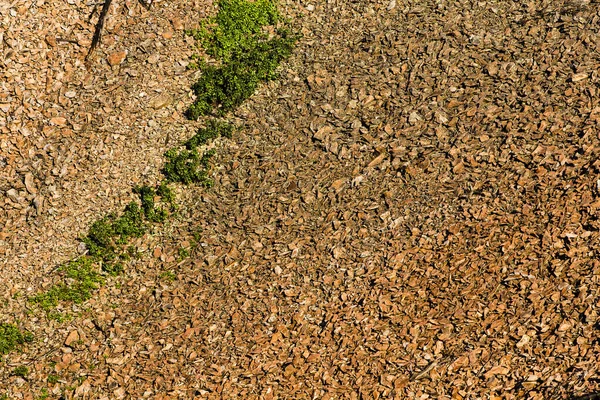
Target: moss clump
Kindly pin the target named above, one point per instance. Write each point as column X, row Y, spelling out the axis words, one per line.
column 12, row 337
column 21, row 371
column 213, row 130
column 166, row 193
column 236, row 27
column 168, row 276
column 188, row 167
column 81, row 277
column 106, row 243
column 107, row 236
column 221, row 89
column 247, row 54
column 151, row 212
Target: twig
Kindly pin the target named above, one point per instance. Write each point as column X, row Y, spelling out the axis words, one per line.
column 146, row 3
column 43, row 355
column 99, row 27
column 422, row 374
column 64, row 40
column 595, row 396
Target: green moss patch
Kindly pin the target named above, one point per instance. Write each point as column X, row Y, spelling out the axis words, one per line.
column 106, row 242
column 80, row 278
column 21, row 371
column 166, row 194
column 108, row 236
column 149, row 209
column 247, row 54
column 188, row 165
column 237, row 27
column 213, row 130
column 12, row 337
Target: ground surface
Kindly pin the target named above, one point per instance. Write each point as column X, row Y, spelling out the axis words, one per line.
column 412, row 210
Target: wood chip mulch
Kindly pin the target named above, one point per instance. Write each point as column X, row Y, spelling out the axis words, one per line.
column 411, row 211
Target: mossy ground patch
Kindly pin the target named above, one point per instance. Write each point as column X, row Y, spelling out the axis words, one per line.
column 246, row 54
column 106, row 243
column 81, row 277
column 237, row 27
column 12, row 337
column 189, row 165
column 108, row 236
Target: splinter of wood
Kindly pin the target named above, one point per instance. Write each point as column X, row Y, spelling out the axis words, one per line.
column 146, row 3
column 594, row 396
column 99, row 26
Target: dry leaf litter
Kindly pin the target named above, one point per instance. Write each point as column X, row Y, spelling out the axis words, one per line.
column 410, row 212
